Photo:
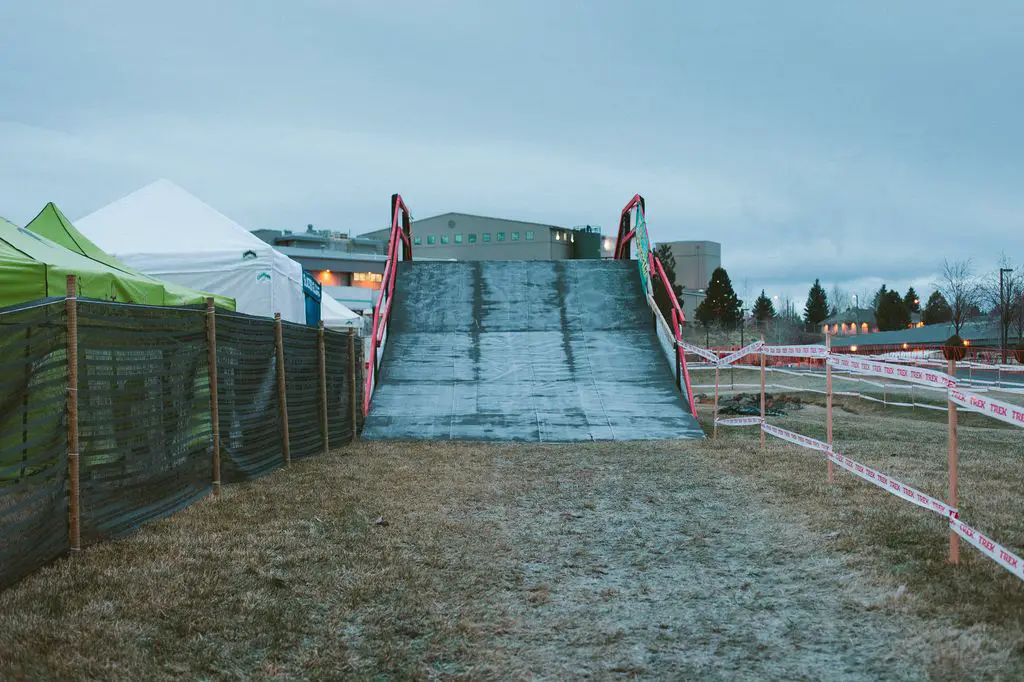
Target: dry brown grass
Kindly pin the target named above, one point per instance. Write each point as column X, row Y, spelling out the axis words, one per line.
column 670, row 560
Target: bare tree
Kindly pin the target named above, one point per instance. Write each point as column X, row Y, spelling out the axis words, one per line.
column 1001, row 292
column 1018, row 317
column 838, row 298
column 961, row 291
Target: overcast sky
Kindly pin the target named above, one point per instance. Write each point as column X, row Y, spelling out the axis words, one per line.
column 858, row 142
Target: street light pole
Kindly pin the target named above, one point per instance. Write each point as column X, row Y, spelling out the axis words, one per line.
column 1003, row 326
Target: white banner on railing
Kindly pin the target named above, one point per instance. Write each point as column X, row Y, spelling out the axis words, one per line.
column 739, row 421
column 990, row 548
column 924, row 377
column 741, row 353
column 796, row 351
column 697, row 350
column 1006, row 412
column 893, row 486
column 796, row 438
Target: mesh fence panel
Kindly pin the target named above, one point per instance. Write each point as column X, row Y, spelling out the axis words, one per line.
column 302, row 379
column 339, row 412
column 144, row 416
column 33, row 439
column 250, row 421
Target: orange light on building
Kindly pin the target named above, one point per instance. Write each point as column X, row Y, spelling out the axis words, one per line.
column 906, row 346
column 853, row 348
column 967, row 342
column 327, row 278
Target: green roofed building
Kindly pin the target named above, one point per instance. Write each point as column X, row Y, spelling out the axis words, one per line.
column 52, row 224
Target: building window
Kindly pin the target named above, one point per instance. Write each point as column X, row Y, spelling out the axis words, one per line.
column 529, row 235
column 486, row 236
column 515, row 236
column 458, row 237
column 416, row 241
column 471, row 237
column 367, row 277
column 444, row 239
column 558, row 236
column 501, row 237
column 572, row 238
column 430, row 239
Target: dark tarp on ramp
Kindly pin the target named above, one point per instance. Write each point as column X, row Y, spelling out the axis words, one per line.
column 547, row 351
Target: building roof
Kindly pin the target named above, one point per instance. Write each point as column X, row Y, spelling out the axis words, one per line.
column 979, row 333
column 857, row 315
column 373, row 233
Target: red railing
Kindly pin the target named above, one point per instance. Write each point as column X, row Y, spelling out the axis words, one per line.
column 399, row 247
column 627, row 233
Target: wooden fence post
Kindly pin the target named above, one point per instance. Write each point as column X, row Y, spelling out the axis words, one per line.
column 74, row 509
column 828, row 398
column 352, row 378
column 211, row 361
column 281, row 392
column 323, row 386
column 714, row 433
column 954, row 539
column 762, row 391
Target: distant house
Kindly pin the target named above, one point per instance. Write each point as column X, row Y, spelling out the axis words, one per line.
column 859, row 321
column 979, row 334
column 850, row 322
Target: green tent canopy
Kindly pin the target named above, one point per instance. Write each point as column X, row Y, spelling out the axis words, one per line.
column 54, row 225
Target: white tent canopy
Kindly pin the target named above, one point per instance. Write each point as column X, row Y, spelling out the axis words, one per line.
column 337, row 316
column 166, row 232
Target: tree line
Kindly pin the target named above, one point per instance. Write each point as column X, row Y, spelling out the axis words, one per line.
column 958, row 298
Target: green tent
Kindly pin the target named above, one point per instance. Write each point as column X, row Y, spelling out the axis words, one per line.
column 54, row 225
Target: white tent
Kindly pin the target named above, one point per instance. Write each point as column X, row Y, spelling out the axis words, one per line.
column 166, row 232
column 337, row 316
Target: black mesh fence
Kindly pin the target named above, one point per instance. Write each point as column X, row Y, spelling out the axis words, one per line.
column 144, row 414
column 302, row 374
column 250, row 417
column 33, row 438
column 339, row 411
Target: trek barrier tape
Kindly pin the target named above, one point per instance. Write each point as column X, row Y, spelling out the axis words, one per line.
column 741, row 353
column 885, row 369
column 739, row 421
column 796, row 438
column 893, row 486
column 990, row 548
column 815, row 351
column 697, row 350
column 997, row 409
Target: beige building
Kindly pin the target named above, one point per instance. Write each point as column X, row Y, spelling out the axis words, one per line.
column 462, row 236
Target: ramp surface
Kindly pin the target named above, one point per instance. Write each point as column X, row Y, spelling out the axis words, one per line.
column 548, row 351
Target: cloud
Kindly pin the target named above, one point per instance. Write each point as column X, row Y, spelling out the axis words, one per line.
column 812, row 140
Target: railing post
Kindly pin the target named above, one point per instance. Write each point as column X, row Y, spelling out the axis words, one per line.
column 282, row 396
column 954, row 539
column 211, row 361
column 715, row 431
column 322, row 357
column 828, row 399
column 74, row 510
column 352, row 376
column 762, row 390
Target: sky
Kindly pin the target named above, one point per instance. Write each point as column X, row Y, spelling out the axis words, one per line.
column 855, row 142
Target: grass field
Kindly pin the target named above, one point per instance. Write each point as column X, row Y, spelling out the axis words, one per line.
column 612, row 560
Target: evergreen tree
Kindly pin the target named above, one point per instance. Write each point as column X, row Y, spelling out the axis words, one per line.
column 720, row 303
column 911, row 301
column 891, row 314
column 937, row 309
column 816, row 309
column 763, row 309
column 878, row 297
column 668, row 262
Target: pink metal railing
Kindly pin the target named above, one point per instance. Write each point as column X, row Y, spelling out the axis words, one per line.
column 626, row 235
column 401, row 236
